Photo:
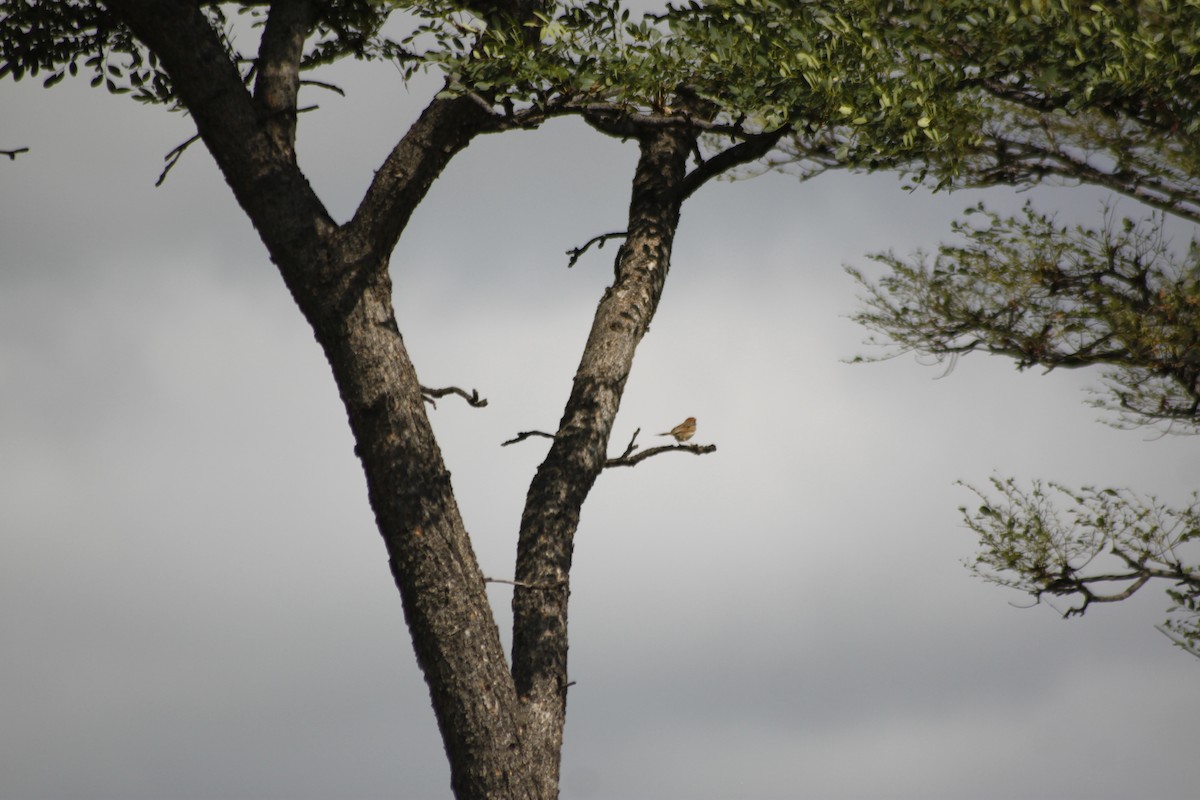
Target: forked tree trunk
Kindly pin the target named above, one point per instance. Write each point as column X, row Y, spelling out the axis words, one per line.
column 502, row 728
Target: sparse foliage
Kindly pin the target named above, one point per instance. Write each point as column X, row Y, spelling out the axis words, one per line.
column 1055, row 296
column 1090, row 546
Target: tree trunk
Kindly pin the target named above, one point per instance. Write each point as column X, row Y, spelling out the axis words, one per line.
column 338, row 277
column 565, row 477
column 502, row 728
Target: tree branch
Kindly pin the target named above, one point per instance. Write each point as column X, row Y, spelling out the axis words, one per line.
column 265, row 180
column 743, row 152
column 522, row 436
column 12, row 154
column 446, row 126
column 172, row 158
column 599, row 241
column 473, row 399
column 578, row 454
column 280, row 51
column 521, row 584
column 628, row 459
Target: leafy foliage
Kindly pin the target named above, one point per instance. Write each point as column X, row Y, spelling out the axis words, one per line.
column 1103, row 547
column 1048, row 295
column 59, row 38
column 62, row 37
column 1102, row 93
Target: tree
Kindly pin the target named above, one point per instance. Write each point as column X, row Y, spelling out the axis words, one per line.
column 702, row 90
column 698, row 82
column 1099, row 94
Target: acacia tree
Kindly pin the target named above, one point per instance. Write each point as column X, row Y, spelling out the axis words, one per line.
column 1105, row 94
column 701, row 90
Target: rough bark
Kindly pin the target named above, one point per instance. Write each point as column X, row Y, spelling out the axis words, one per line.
column 502, row 728
column 338, row 276
column 565, row 477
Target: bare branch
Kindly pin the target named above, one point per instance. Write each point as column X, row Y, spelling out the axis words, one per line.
column 473, row 399
column 323, row 85
column 633, row 460
column 628, row 459
column 172, row 158
column 12, row 154
column 522, row 436
column 599, row 241
column 629, row 448
column 545, row 587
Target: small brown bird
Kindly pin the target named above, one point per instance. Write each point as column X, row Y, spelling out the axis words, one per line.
column 683, row 431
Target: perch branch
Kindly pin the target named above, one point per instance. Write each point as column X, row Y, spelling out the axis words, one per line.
column 12, row 154
column 629, row 459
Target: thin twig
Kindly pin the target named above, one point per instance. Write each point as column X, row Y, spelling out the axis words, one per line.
column 628, row 459
column 546, row 587
column 629, row 448
column 473, row 399
column 172, row 158
column 322, row 85
column 523, row 435
column 599, row 241
column 12, row 154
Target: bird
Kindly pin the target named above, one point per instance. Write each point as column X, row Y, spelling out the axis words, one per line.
column 683, row 431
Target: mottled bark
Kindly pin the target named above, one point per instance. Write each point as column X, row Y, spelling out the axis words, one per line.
column 502, row 728
column 565, row 477
column 338, row 276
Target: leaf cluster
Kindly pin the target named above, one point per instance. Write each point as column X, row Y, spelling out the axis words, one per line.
column 65, row 38
column 1091, row 545
column 568, row 52
column 1105, row 93
column 61, row 38
column 839, row 68
column 1044, row 294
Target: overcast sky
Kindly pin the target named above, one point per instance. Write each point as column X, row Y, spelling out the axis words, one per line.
column 194, row 602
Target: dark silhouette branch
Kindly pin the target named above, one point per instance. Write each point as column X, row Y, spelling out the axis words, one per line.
column 12, row 154
column 743, row 152
column 544, row 587
column 323, row 85
column 599, row 241
column 473, row 399
column 172, row 158
column 523, row 435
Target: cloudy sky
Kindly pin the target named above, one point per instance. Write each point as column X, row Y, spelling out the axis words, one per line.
column 194, row 602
